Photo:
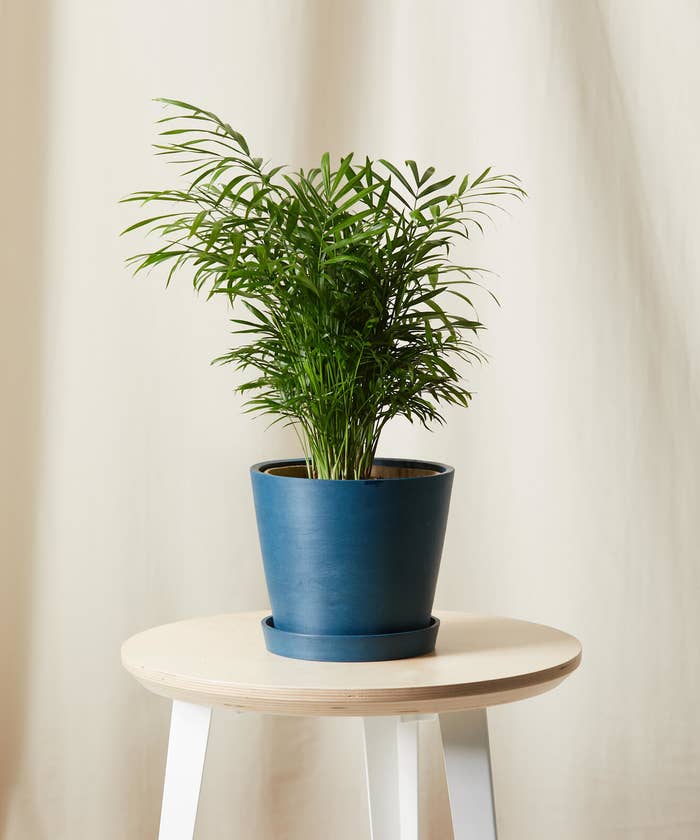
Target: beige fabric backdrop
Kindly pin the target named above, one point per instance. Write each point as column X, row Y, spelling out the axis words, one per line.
column 125, row 498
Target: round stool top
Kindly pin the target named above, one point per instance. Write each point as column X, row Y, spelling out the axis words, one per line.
column 479, row 661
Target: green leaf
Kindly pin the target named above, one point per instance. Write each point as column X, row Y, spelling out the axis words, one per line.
column 326, row 171
column 397, row 174
column 292, row 218
column 144, row 222
column 427, row 175
column 198, row 219
column 481, row 177
column 436, row 185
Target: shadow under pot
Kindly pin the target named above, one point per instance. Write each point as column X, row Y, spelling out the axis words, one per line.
column 351, row 566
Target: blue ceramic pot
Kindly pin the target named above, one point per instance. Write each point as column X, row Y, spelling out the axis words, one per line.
column 348, row 561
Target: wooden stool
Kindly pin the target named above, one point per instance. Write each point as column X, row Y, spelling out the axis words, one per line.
column 479, row 662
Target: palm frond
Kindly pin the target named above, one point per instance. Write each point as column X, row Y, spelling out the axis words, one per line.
column 349, row 306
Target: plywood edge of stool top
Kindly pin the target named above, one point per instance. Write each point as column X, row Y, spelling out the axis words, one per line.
column 480, row 661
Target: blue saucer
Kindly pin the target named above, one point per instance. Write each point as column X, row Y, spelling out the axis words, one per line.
column 374, row 648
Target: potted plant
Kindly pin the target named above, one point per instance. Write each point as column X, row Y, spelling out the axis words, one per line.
column 350, row 313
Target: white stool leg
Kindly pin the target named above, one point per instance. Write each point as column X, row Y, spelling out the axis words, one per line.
column 392, row 763
column 465, row 740
column 189, row 731
column 382, row 769
column 407, row 738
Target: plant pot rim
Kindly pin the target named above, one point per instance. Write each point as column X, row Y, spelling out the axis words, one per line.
column 437, row 470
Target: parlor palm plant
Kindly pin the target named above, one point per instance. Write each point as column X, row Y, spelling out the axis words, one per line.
column 350, row 309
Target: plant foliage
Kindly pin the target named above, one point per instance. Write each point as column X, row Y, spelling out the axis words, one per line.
column 350, row 309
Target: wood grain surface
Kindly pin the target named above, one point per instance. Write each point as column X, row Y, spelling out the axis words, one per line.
column 479, row 661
